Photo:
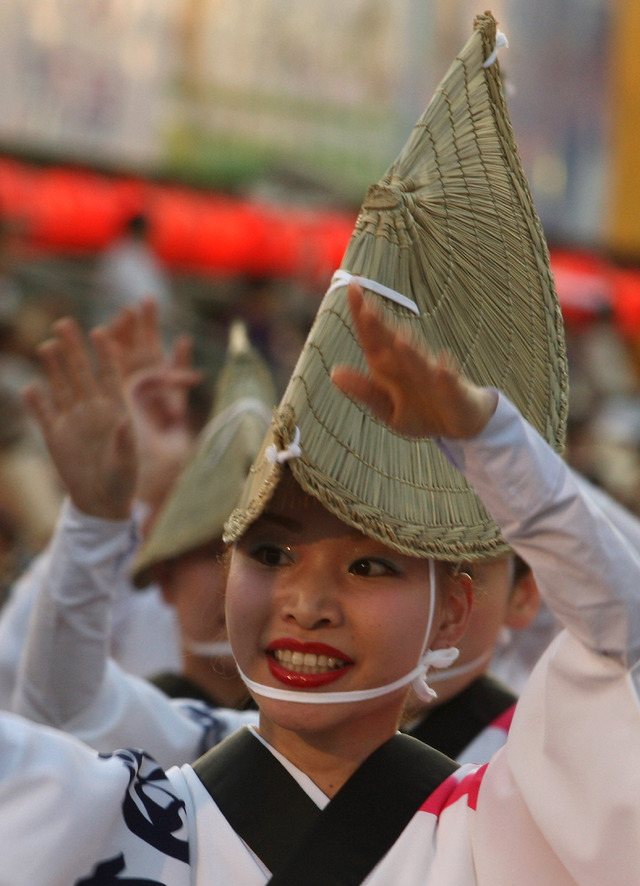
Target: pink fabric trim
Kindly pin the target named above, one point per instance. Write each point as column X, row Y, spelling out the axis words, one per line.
column 451, row 790
column 504, row 720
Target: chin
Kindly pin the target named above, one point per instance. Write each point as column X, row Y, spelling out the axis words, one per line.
column 328, row 721
column 303, row 719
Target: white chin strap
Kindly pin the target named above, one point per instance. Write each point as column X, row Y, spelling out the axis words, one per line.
column 451, row 673
column 431, row 658
column 207, row 648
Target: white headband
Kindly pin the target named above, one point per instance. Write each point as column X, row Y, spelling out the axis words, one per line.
column 207, row 648
column 343, row 278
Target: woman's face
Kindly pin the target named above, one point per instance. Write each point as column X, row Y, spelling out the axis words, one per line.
column 314, row 605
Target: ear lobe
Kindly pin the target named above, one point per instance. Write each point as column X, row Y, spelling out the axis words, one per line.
column 523, row 604
column 455, row 611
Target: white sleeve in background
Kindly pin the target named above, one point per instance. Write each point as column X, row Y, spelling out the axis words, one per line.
column 67, row 644
column 66, row 678
column 128, row 711
column 144, row 631
column 14, row 624
column 621, row 517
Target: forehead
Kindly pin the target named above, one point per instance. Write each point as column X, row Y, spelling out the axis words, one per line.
column 293, row 508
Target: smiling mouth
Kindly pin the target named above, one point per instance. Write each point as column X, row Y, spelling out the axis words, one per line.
column 307, row 662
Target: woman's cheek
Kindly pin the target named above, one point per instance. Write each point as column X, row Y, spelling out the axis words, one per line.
column 246, row 610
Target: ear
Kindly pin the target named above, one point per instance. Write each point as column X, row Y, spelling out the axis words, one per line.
column 523, row 602
column 454, row 611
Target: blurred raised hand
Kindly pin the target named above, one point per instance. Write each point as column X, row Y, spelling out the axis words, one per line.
column 414, row 392
column 87, row 425
column 156, row 385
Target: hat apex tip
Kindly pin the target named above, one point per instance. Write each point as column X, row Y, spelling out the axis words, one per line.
column 238, row 337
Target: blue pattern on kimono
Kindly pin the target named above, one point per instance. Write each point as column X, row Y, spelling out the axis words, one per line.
column 151, row 812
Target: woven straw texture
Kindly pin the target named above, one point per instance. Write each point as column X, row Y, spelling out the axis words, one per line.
column 209, row 487
column 452, row 226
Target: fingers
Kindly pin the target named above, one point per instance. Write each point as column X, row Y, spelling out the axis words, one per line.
column 359, row 387
column 38, row 401
column 69, row 370
column 75, row 357
column 388, row 357
column 148, row 328
column 121, row 328
column 67, row 365
column 107, row 365
column 136, row 333
column 372, row 333
column 163, row 393
column 182, row 356
column 120, row 332
column 51, row 360
column 415, row 392
column 389, row 353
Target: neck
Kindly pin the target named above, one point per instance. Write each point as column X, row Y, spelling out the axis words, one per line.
column 328, row 759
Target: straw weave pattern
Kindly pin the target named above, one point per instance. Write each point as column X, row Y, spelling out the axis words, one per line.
column 451, row 225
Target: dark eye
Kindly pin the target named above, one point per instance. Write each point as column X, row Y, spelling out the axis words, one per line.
column 271, row 555
column 370, row 568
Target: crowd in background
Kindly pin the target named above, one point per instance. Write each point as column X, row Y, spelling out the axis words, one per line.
column 35, row 290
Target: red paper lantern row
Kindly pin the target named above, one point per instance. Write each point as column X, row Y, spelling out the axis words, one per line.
column 72, row 210
column 590, row 287
column 68, row 210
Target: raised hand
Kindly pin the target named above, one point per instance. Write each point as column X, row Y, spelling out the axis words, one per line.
column 415, row 393
column 136, row 330
column 156, row 386
column 85, row 420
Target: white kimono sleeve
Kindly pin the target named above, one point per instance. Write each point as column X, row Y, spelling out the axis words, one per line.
column 71, row 817
column 559, row 804
column 143, row 637
column 14, row 624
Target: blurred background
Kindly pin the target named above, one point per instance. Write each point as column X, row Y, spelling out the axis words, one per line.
column 214, row 153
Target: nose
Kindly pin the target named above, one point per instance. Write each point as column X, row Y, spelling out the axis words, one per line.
column 311, row 603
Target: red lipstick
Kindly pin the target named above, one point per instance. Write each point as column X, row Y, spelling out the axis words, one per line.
column 286, row 672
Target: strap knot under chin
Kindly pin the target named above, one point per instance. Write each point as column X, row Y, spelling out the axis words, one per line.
column 433, row 658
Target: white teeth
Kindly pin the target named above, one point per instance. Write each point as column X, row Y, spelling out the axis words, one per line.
column 307, row 662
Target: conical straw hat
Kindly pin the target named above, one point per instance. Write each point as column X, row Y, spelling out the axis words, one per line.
column 451, row 227
column 208, row 488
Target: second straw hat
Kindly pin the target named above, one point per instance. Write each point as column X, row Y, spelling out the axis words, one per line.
column 208, row 488
column 449, row 246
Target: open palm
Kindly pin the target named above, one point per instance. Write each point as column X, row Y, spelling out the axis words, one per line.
column 85, row 421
